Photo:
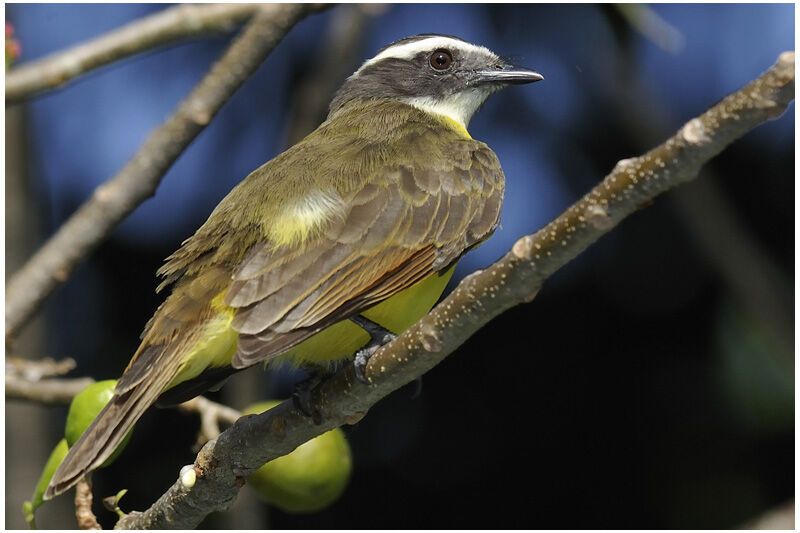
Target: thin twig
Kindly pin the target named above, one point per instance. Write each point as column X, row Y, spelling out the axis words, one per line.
column 211, row 414
column 35, row 370
column 83, row 504
column 515, row 278
column 61, row 391
column 114, row 200
column 46, row 391
column 170, row 25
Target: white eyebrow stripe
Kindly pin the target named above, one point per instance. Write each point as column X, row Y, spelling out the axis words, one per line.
column 410, row 50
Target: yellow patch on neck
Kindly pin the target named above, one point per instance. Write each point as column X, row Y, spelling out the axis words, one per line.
column 456, row 126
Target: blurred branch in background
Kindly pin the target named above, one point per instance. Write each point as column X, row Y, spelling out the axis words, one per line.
column 730, row 247
column 514, row 279
column 25, row 423
column 36, row 370
column 38, row 381
column 211, row 414
column 722, row 239
column 168, row 26
column 337, row 59
column 777, row 518
column 35, row 381
column 46, row 391
column 55, row 261
column 652, row 27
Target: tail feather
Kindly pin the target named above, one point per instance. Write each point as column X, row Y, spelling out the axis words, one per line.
column 108, row 430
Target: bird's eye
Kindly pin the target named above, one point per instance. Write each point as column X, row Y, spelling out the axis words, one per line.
column 441, row 59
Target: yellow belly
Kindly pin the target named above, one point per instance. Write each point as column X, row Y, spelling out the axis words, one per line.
column 396, row 314
column 336, row 342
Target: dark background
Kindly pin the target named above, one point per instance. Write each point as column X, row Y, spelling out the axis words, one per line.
column 649, row 385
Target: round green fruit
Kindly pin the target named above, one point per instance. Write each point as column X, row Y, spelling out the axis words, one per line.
column 56, row 456
column 85, row 407
column 310, row 478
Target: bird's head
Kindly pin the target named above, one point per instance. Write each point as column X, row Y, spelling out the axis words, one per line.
column 437, row 73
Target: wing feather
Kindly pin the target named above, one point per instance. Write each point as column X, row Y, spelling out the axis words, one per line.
column 261, row 314
column 391, row 237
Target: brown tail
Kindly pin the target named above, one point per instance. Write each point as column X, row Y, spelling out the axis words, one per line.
column 129, row 402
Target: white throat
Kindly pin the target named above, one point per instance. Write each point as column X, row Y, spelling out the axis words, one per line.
column 459, row 107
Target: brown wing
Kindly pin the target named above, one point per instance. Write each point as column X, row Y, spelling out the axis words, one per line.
column 406, row 224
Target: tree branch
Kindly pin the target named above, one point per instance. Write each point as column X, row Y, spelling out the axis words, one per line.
column 29, row 380
column 111, row 202
column 36, row 370
column 46, row 391
column 211, row 414
column 171, row 24
column 514, row 279
column 83, row 504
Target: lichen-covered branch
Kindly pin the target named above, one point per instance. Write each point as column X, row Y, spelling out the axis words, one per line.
column 114, row 200
column 170, row 25
column 515, row 278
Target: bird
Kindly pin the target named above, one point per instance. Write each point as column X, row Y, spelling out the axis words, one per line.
column 331, row 248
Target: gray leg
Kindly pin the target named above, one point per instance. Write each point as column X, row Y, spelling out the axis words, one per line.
column 378, row 337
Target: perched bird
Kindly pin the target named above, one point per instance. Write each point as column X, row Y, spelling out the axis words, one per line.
column 342, row 240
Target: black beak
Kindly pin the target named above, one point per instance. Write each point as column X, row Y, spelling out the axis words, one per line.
column 506, row 74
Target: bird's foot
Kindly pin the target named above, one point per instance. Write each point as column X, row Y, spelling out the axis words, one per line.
column 378, row 337
column 302, row 396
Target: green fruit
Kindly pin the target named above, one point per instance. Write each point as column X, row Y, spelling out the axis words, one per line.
column 56, row 456
column 85, row 407
column 310, row 478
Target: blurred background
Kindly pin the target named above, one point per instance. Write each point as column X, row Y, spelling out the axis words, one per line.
column 649, row 385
